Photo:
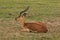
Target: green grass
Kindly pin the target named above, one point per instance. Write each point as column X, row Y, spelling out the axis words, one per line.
column 36, row 7
column 40, row 10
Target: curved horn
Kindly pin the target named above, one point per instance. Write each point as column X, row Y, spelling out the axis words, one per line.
column 22, row 12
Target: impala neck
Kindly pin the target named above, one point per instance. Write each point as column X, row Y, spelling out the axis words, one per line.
column 22, row 21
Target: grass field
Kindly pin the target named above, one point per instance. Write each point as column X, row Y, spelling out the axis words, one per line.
column 47, row 11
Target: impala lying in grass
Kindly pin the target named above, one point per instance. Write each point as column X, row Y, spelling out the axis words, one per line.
column 30, row 26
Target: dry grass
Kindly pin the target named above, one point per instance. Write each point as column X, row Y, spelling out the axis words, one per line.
column 10, row 30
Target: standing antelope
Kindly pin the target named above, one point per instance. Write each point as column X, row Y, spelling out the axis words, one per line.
column 30, row 26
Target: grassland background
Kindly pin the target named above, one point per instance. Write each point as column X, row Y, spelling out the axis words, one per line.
column 47, row 11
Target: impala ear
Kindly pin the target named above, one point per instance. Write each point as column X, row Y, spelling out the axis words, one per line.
column 23, row 14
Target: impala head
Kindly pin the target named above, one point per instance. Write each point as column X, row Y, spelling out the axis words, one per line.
column 22, row 15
